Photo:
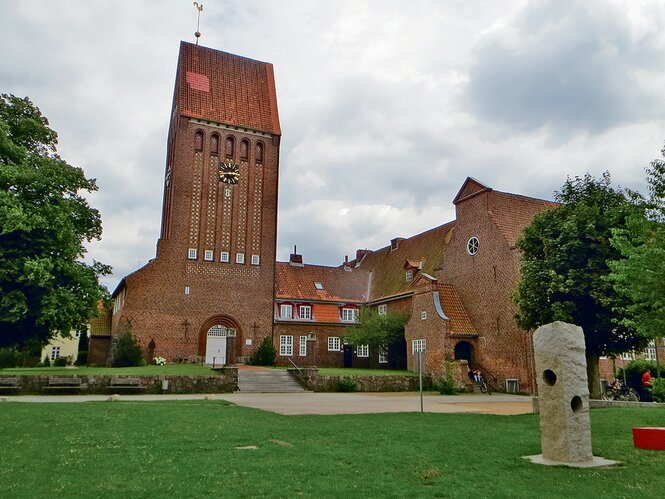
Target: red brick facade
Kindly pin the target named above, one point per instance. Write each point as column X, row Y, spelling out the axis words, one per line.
column 454, row 280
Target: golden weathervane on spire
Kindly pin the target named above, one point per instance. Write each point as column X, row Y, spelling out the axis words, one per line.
column 199, row 8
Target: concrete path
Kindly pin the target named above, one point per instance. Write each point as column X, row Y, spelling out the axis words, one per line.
column 330, row 403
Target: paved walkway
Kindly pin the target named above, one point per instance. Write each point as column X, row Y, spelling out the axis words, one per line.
column 330, row 403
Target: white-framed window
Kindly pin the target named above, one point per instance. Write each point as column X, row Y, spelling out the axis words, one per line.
column 423, row 315
column 362, row 351
column 628, row 356
column 191, row 254
column 305, row 312
column 286, row 311
column 303, row 346
column 208, row 255
column 255, row 259
column 55, row 353
column 419, row 345
column 224, row 257
column 334, row 344
column 186, row 290
column 286, row 345
column 349, row 314
column 650, row 352
column 409, row 275
column 383, row 356
column 240, row 258
column 472, row 245
column 383, row 309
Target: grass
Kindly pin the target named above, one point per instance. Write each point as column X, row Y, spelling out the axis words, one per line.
column 190, row 449
column 179, row 369
column 149, row 370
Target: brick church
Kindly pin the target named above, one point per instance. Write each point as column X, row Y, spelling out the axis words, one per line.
column 214, row 290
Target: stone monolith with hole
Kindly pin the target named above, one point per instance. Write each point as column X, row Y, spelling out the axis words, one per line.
column 563, row 393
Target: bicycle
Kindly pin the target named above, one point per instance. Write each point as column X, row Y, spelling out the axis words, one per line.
column 621, row 392
column 484, row 387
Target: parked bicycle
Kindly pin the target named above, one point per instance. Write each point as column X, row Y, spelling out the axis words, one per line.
column 484, row 387
column 619, row 391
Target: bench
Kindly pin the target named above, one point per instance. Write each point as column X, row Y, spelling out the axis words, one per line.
column 126, row 384
column 9, row 383
column 65, row 383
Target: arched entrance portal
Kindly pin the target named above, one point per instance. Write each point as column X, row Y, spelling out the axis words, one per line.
column 464, row 350
column 218, row 340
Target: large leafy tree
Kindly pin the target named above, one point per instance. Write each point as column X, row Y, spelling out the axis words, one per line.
column 377, row 330
column 565, row 256
column 640, row 275
column 45, row 287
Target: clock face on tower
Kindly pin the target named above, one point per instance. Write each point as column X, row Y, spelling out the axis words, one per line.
column 228, row 173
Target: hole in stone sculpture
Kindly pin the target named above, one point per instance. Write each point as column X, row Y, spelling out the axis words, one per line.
column 576, row 403
column 549, row 377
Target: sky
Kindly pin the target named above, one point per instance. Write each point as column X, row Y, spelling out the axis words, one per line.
column 385, row 106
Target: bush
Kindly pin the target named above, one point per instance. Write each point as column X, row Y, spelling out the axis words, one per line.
column 128, row 352
column 61, row 361
column 446, row 385
column 346, row 385
column 82, row 358
column 45, row 363
column 658, row 390
column 265, row 355
column 7, row 358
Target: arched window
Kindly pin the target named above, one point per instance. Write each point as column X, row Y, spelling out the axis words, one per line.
column 198, row 141
column 259, row 153
column 230, row 146
column 244, row 149
column 214, row 144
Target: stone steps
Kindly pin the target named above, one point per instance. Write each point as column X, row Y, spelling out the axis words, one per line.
column 269, row 381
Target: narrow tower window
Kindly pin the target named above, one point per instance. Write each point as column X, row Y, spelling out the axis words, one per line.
column 259, row 153
column 244, row 149
column 198, row 141
column 230, row 146
column 214, row 145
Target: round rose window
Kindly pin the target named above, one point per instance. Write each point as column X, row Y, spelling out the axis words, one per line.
column 472, row 245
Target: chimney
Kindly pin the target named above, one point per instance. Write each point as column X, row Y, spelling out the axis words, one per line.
column 346, row 264
column 295, row 260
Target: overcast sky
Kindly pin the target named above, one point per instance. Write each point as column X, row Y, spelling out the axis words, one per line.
column 385, row 108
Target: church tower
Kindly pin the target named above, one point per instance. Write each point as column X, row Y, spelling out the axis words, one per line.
column 209, row 291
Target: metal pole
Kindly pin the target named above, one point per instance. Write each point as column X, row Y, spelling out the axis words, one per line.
column 420, row 374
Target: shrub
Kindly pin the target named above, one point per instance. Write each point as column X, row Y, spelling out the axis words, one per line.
column 127, row 352
column 7, row 358
column 265, row 355
column 658, row 390
column 82, row 358
column 346, row 385
column 61, row 361
column 45, row 363
column 446, row 385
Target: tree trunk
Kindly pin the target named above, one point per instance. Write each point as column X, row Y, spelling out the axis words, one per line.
column 593, row 376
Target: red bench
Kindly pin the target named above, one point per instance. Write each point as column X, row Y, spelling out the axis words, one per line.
column 652, row 438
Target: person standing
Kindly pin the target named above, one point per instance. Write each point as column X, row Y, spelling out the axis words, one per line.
column 647, row 382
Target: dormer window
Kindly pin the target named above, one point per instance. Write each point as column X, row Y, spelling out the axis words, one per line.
column 319, row 286
column 286, row 311
column 409, row 275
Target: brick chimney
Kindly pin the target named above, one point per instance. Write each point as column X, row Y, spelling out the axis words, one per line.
column 295, row 260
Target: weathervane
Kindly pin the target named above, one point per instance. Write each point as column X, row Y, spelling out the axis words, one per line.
column 199, row 8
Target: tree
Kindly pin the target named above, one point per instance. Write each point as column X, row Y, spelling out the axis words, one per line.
column 45, row 287
column 377, row 330
column 565, row 258
column 640, row 275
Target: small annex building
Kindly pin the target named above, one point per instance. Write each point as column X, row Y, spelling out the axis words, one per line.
column 214, row 290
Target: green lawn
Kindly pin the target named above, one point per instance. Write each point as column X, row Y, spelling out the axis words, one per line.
column 150, row 370
column 180, row 369
column 190, row 449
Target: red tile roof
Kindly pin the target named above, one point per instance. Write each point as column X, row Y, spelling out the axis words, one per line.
column 512, row 212
column 454, row 310
column 245, row 88
column 297, row 283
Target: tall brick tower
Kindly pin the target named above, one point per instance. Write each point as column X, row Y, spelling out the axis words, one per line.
column 209, row 291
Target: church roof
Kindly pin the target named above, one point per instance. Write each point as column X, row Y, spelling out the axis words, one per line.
column 216, row 86
column 336, row 283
